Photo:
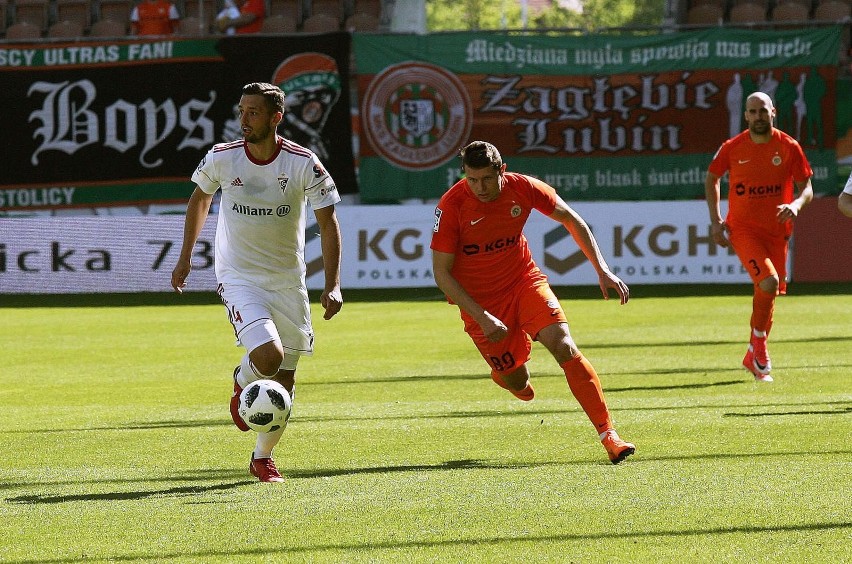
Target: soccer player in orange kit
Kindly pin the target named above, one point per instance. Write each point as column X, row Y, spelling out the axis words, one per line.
column 482, row 262
column 765, row 166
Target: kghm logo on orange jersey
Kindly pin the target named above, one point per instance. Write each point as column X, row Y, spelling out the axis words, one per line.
column 417, row 115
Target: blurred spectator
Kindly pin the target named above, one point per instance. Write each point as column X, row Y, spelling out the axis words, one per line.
column 231, row 12
column 154, row 17
column 249, row 20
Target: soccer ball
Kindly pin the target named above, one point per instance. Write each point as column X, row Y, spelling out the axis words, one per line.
column 265, row 406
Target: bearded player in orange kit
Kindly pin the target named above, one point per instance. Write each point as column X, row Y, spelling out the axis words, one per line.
column 765, row 167
column 482, row 262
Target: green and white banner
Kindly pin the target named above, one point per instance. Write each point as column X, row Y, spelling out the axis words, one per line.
column 598, row 117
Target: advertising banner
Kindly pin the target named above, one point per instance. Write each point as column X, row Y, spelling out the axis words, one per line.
column 383, row 247
column 598, row 117
column 123, row 123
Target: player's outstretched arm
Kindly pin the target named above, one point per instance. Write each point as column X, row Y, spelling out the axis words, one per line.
column 331, row 298
column 196, row 214
column 582, row 235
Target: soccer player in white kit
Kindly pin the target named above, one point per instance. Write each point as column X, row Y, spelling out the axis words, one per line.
column 266, row 183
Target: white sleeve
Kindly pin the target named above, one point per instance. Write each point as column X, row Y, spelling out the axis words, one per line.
column 206, row 175
column 320, row 189
column 848, row 188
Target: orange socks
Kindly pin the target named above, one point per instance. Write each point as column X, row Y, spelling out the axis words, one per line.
column 763, row 306
column 586, row 387
column 526, row 394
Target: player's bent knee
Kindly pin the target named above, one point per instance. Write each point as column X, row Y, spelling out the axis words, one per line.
column 267, row 358
column 769, row 284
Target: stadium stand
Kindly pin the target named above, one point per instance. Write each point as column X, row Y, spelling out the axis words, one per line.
column 721, row 3
column 705, row 14
column 23, row 31
column 65, row 29
column 278, row 23
column 361, row 21
column 108, row 28
column 35, row 12
column 4, row 14
column 833, row 11
column 77, row 11
column 289, row 8
column 195, row 8
column 321, row 23
column 748, row 13
column 192, row 26
column 330, row 7
column 374, row 7
column 790, row 11
column 115, row 10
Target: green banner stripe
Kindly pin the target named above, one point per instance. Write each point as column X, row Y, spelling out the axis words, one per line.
column 94, row 196
column 96, row 54
column 715, row 48
column 586, row 179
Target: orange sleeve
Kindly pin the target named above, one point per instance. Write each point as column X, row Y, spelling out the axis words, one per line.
column 445, row 233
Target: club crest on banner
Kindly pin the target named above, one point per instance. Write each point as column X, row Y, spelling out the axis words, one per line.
column 417, row 115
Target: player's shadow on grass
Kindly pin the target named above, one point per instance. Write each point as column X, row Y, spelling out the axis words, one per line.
column 193, row 476
column 195, row 490
column 696, row 386
column 465, row 464
column 703, row 343
column 146, row 426
column 179, row 491
column 522, row 540
column 839, row 411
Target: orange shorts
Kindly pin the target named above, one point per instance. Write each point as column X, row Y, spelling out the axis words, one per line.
column 526, row 310
column 761, row 256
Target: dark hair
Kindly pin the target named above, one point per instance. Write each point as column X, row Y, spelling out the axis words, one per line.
column 480, row 154
column 273, row 95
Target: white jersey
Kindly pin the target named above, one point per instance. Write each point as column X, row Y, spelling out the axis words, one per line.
column 848, row 188
column 260, row 234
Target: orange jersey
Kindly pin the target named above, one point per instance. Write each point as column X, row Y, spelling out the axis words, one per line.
column 760, row 178
column 155, row 18
column 256, row 7
column 491, row 251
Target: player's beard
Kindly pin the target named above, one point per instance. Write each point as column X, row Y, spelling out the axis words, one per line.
column 760, row 128
column 256, row 135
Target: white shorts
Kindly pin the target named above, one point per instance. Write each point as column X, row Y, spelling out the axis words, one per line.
column 259, row 316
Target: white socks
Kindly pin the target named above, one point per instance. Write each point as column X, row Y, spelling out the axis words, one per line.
column 248, row 373
column 265, row 441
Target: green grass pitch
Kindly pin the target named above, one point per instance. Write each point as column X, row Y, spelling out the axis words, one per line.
column 116, row 444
